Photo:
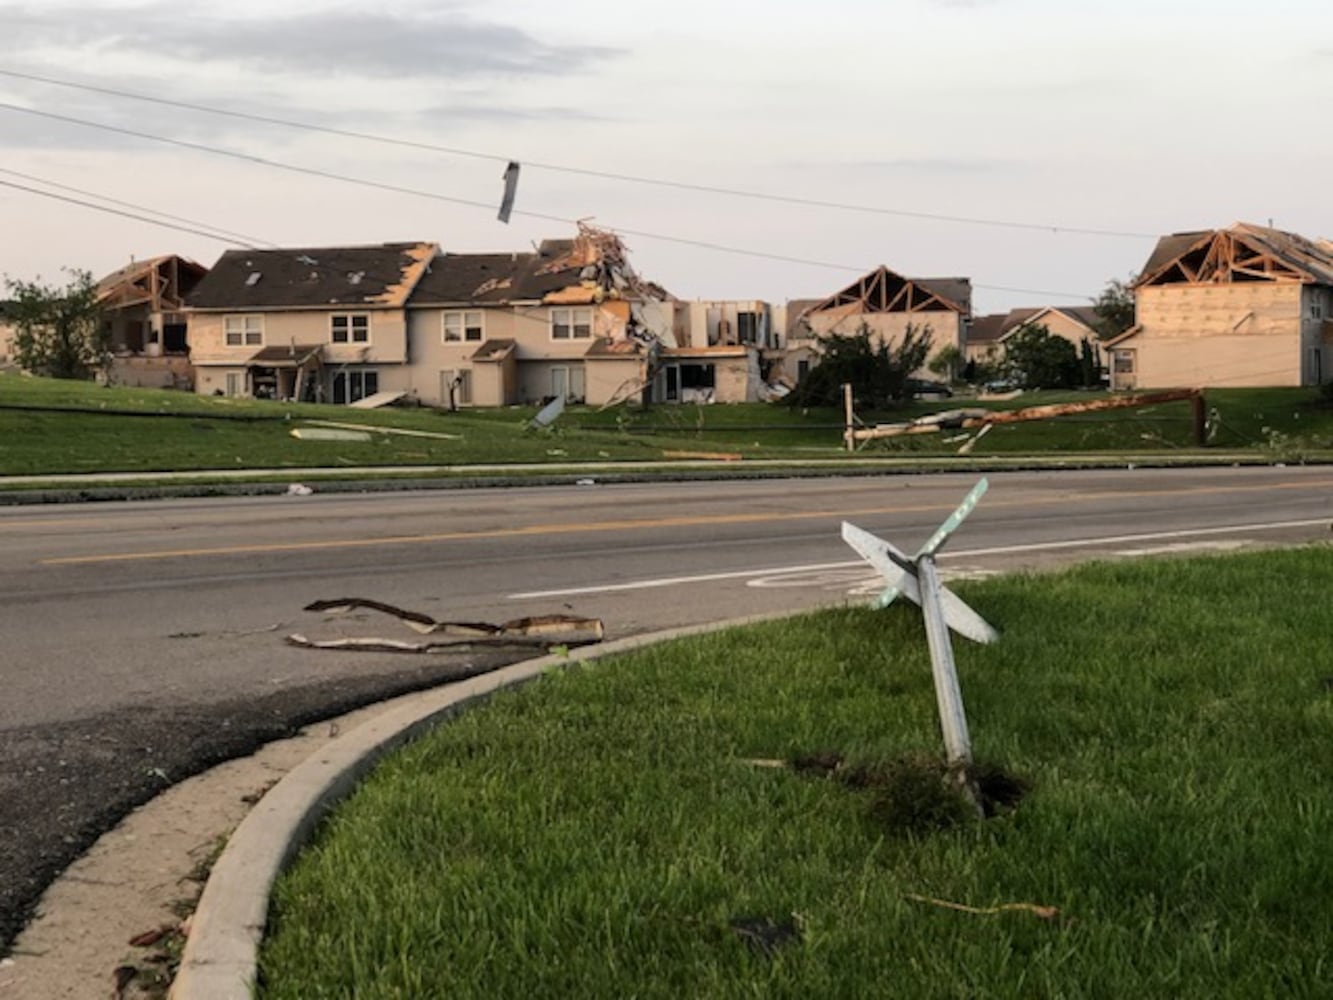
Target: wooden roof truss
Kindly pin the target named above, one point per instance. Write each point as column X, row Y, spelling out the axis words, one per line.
column 882, row 291
column 1223, row 258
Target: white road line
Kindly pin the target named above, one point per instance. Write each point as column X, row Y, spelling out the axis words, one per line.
column 1152, row 536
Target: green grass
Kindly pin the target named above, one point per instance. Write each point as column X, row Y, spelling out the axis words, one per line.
column 55, row 427
column 596, row 832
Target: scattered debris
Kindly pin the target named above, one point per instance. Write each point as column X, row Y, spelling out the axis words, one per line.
column 549, row 413
column 299, row 490
column 377, row 400
column 585, row 482
column 1036, row 909
column 149, row 938
column 707, row 455
column 544, row 631
column 372, row 429
column 764, row 935
column 511, row 188
column 327, row 434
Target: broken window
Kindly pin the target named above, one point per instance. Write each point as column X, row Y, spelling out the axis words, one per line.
column 244, row 331
column 462, row 326
column 571, row 324
column 352, row 384
column 350, row 328
column 697, row 376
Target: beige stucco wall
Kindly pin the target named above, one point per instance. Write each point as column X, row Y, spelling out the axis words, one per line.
column 388, row 336
column 946, row 326
column 172, row 371
column 1238, row 334
column 607, row 376
column 6, row 342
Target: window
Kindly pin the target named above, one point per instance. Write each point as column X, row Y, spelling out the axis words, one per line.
column 1124, row 362
column 571, row 383
column 747, row 327
column 350, row 328
column 244, row 331
column 352, row 384
column 1316, row 310
column 235, row 383
column 456, row 387
column 571, row 324
column 462, row 326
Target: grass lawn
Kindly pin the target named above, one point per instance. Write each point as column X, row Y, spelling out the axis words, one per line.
column 50, row 426
column 599, row 832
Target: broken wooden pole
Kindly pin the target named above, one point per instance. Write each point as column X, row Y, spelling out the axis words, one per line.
column 848, row 434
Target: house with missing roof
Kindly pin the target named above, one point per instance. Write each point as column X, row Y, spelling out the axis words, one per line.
column 143, row 310
column 987, row 334
column 887, row 304
column 1243, row 306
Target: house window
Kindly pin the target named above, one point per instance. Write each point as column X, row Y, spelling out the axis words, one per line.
column 571, row 324
column 235, row 384
column 350, row 328
column 352, row 384
column 569, row 382
column 244, row 331
column 747, row 327
column 462, row 326
column 1124, row 362
column 1316, row 310
column 802, row 369
column 456, row 387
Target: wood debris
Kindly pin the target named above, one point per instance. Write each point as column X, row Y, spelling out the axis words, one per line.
column 1036, row 909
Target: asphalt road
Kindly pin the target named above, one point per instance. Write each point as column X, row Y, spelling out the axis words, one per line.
column 143, row 642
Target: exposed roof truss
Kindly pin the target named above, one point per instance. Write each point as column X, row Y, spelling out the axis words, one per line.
column 1224, row 257
column 883, row 291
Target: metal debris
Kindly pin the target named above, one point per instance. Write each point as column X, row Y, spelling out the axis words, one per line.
column 549, row 413
column 541, row 631
column 327, row 434
column 511, row 188
column 372, row 429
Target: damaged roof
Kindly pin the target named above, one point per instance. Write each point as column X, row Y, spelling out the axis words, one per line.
column 1313, row 259
column 382, row 275
column 498, row 278
column 884, row 290
column 495, row 350
column 604, row 348
column 134, row 283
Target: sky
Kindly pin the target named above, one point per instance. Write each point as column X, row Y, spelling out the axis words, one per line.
column 1037, row 147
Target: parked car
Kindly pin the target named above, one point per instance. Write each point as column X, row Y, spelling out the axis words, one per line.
column 926, row 388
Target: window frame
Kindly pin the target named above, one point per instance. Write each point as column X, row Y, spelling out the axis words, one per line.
column 462, row 330
column 351, row 328
column 248, row 335
column 347, row 375
column 571, row 316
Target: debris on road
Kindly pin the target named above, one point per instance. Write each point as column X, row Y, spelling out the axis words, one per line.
column 542, row 631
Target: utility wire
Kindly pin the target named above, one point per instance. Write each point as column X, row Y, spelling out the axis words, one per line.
column 123, row 214
column 583, row 171
column 471, row 203
column 240, row 238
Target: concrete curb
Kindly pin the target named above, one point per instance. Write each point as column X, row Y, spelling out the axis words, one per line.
column 220, row 961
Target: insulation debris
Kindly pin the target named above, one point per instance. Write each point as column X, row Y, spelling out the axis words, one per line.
column 542, row 631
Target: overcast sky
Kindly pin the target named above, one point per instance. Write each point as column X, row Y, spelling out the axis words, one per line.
column 1139, row 117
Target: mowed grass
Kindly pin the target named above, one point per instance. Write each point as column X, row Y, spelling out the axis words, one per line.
column 599, row 833
column 54, row 427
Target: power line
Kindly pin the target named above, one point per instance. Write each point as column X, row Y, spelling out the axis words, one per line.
column 127, row 215
column 488, row 206
column 245, row 240
column 584, row 171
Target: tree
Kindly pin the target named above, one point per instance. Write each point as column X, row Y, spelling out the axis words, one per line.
column 1039, row 359
column 878, row 372
column 58, row 332
column 947, row 363
column 1114, row 308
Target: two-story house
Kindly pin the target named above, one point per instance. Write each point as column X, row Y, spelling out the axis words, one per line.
column 326, row 324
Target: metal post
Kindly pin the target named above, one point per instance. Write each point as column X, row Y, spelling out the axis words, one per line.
column 957, row 746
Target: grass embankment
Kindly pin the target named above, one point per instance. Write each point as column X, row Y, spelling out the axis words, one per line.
column 599, row 832
column 59, row 427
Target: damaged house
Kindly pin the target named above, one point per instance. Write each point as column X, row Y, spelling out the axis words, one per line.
column 327, row 324
column 887, row 304
column 1243, row 306
column 143, row 307
column 570, row 319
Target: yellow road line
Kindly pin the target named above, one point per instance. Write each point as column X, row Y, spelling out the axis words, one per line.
column 699, row 520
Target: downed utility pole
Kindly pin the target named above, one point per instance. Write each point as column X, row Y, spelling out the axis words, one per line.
column 942, row 609
column 975, row 417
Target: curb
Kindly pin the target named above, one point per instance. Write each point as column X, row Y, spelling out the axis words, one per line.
column 221, row 957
